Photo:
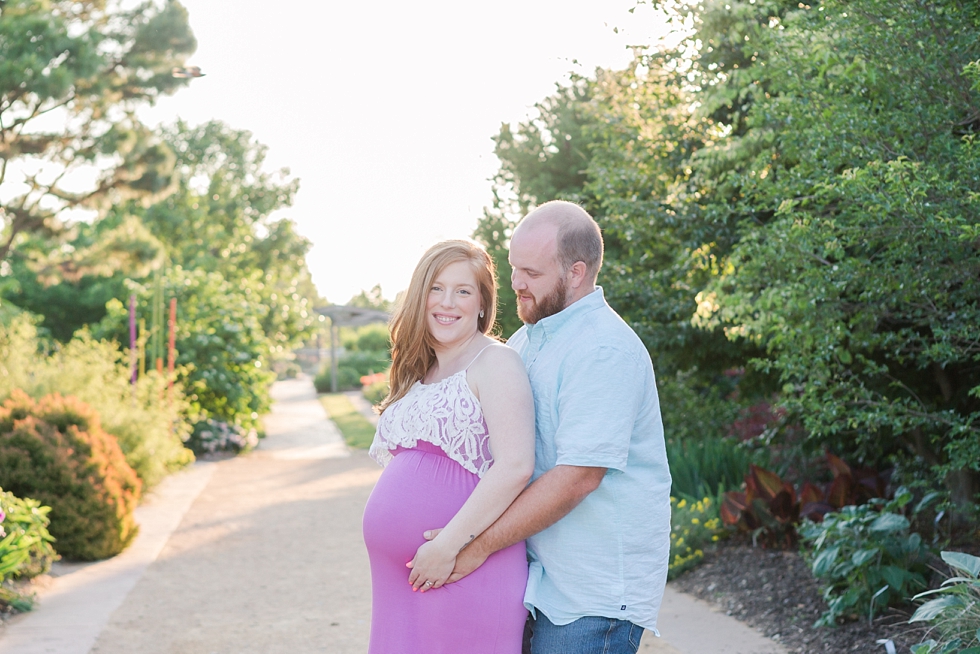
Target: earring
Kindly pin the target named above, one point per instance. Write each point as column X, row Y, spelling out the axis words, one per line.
column 481, row 313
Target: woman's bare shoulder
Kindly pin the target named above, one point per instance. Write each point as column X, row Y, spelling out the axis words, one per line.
column 498, row 353
column 496, row 364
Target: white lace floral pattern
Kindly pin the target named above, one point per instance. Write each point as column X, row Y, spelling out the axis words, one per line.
column 445, row 414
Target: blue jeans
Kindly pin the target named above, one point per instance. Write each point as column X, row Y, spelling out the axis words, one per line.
column 589, row 635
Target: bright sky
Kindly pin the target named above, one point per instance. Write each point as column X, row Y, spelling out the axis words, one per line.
column 384, row 110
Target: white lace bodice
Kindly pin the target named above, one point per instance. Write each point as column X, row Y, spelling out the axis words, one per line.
column 446, row 414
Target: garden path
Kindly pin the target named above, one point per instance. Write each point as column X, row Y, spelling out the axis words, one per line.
column 263, row 553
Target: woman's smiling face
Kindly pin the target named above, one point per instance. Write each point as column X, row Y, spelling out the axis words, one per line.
column 453, row 304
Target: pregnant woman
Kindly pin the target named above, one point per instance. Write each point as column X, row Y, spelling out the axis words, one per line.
column 456, row 437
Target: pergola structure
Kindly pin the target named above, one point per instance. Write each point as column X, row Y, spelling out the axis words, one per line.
column 346, row 316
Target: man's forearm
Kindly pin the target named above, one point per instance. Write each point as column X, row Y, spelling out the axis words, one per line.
column 550, row 498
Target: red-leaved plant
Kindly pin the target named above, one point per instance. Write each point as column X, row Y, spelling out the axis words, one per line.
column 770, row 508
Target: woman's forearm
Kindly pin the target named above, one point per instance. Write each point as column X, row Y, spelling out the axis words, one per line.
column 493, row 494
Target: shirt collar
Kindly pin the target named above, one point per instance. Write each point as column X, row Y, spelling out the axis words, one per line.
column 552, row 324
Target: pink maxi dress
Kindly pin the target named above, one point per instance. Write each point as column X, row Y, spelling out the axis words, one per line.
column 435, row 447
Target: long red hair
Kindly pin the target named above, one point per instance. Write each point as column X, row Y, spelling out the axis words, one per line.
column 412, row 346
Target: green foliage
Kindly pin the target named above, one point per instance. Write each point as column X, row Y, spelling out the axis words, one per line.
column 706, row 468
column 376, row 392
column 493, row 231
column 543, row 158
column 955, row 614
column 222, row 352
column 55, row 450
column 373, row 299
column 866, row 558
column 366, row 362
column 348, row 379
column 25, row 548
column 62, row 308
column 695, row 411
column 791, row 191
column 91, row 64
column 218, row 221
column 368, row 338
column 148, row 422
column 856, row 177
column 693, row 524
column 351, row 367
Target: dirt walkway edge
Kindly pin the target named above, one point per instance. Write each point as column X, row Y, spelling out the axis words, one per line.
column 75, row 606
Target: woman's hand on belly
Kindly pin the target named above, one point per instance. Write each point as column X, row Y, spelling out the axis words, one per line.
column 433, row 562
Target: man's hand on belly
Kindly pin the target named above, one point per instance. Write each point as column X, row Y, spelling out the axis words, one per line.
column 468, row 560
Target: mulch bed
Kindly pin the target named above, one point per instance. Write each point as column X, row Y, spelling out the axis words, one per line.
column 774, row 592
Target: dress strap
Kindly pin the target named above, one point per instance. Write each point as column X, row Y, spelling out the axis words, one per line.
column 473, row 360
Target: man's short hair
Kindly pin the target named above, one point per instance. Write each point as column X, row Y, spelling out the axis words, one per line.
column 579, row 239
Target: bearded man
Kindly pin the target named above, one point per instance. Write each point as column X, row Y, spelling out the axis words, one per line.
column 596, row 516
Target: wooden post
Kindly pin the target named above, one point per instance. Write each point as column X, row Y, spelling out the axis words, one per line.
column 132, row 339
column 156, row 344
column 143, row 342
column 334, row 337
column 171, row 354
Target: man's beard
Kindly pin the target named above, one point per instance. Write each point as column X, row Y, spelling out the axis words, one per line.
column 549, row 305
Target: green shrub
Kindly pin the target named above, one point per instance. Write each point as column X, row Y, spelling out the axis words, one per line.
column 376, row 392
column 55, row 451
column 348, row 379
column 222, row 350
column 692, row 412
column 25, row 550
column 350, row 368
column 693, row 524
column 706, row 468
column 865, row 558
column 956, row 613
column 147, row 419
column 366, row 362
column 369, row 338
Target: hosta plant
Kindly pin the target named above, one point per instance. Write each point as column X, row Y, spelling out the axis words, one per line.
column 25, row 548
column 865, row 558
column 955, row 613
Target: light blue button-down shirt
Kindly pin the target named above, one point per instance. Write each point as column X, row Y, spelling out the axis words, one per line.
column 595, row 401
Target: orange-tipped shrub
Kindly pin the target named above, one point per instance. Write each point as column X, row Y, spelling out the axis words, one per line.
column 54, row 450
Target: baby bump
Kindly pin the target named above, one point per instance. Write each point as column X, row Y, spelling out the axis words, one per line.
column 418, row 490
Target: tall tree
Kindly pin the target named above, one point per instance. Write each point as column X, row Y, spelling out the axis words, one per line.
column 542, row 158
column 857, row 256
column 72, row 74
column 245, row 296
column 219, row 219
